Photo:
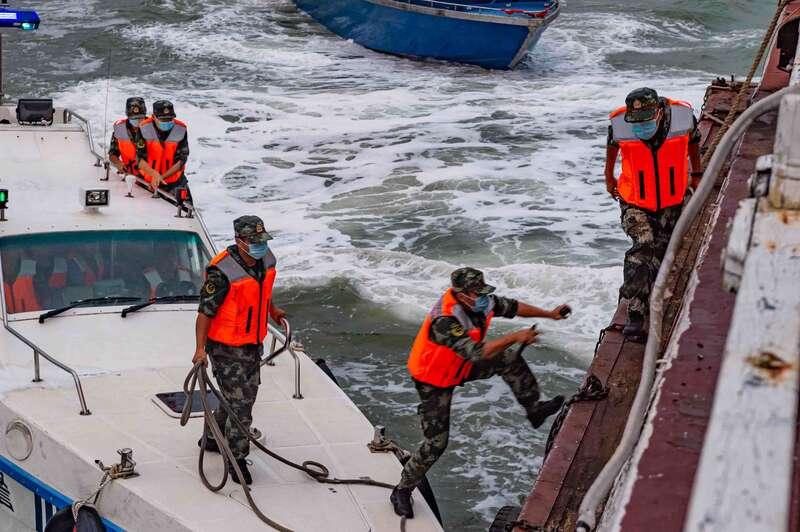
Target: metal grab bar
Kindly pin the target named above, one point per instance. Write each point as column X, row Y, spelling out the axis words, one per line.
column 39, row 351
column 287, row 340
column 88, row 127
column 36, row 375
column 289, row 346
column 188, row 207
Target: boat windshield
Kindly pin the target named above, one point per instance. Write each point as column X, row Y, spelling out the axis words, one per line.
column 46, row 271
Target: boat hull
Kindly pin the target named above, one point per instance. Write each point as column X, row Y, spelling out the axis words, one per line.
column 494, row 42
column 27, row 502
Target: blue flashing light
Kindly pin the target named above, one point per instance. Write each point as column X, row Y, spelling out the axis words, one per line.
column 19, row 18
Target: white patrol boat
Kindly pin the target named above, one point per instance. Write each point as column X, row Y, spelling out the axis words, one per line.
column 86, row 391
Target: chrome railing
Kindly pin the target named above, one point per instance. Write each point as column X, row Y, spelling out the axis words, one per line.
column 182, row 206
column 38, row 351
column 88, row 128
column 477, row 8
column 289, row 346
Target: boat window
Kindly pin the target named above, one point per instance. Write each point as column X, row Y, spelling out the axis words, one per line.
column 45, row 271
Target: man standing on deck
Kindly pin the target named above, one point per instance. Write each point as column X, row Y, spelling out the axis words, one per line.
column 657, row 137
column 127, row 148
column 235, row 302
column 451, row 349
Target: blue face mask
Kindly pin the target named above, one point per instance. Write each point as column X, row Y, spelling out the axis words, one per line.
column 165, row 126
column 645, row 130
column 258, row 250
column 481, row 304
column 134, row 122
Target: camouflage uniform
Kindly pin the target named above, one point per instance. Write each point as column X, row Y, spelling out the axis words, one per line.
column 649, row 231
column 236, row 368
column 434, row 407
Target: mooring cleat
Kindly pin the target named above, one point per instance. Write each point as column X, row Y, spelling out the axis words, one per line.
column 402, row 503
column 545, row 409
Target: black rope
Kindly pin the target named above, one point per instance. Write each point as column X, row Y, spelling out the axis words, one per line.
column 316, row 470
column 592, row 390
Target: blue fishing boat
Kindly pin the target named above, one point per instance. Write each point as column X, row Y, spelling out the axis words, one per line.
column 489, row 33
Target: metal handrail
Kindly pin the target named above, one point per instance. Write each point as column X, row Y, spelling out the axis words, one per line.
column 88, row 128
column 188, row 207
column 287, row 346
column 450, row 6
column 39, row 351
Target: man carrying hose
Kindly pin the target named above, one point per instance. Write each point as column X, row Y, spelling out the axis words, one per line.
column 450, row 350
column 657, row 137
column 235, row 304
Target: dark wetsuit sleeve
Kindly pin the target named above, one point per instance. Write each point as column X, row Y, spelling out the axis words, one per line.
column 504, row 307
column 213, row 292
column 113, row 147
column 448, row 331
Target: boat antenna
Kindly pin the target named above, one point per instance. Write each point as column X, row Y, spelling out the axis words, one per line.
column 106, row 163
column 3, row 3
column 108, row 89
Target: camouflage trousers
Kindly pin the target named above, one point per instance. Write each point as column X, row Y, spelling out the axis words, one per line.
column 650, row 233
column 238, row 381
column 434, row 409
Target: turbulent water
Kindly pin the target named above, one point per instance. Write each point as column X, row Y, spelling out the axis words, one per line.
column 380, row 175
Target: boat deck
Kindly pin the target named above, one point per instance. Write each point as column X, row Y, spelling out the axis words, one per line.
column 324, row 426
column 123, row 362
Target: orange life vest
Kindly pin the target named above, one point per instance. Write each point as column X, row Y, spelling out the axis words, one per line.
column 161, row 156
column 436, row 364
column 58, row 277
column 242, row 318
column 654, row 179
column 23, row 291
column 127, row 148
column 9, row 295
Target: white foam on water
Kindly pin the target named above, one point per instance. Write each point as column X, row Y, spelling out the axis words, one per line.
column 391, row 173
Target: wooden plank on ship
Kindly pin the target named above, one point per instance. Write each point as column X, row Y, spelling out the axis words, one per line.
column 746, row 469
column 745, row 474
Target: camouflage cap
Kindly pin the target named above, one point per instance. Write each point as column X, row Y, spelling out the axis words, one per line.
column 135, row 107
column 250, row 228
column 642, row 105
column 163, row 109
column 470, row 280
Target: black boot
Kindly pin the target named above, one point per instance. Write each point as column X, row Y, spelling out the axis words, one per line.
column 401, row 500
column 211, row 445
column 242, row 463
column 634, row 327
column 544, row 409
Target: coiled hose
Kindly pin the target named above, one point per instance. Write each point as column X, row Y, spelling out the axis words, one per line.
column 198, row 377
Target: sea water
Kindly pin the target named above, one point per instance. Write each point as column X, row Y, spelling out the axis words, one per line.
column 379, row 175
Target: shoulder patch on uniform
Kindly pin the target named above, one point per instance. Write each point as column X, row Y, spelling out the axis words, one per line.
column 209, row 288
column 456, row 330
